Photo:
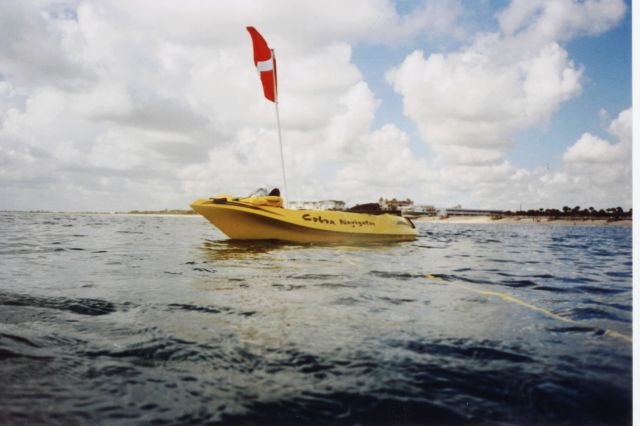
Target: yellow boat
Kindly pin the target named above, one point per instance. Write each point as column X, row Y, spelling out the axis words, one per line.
column 265, row 218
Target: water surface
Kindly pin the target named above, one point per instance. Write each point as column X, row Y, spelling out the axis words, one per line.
column 110, row 319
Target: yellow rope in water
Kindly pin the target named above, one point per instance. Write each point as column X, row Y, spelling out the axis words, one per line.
column 546, row 312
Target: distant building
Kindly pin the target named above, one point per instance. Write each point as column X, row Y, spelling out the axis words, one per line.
column 457, row 211
column 419, row 210
column 317, row 205
column 394, row 204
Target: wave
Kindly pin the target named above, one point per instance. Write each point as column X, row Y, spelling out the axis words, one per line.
column 78, row 306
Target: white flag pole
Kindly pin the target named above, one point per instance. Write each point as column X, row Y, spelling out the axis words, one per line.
column 275, row 89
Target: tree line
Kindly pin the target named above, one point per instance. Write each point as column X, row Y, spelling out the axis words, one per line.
column 615, row 213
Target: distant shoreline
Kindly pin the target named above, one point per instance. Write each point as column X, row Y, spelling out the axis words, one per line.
column 158, row 214
column 471, row 220
column 523, row 220
column 167, row 212
column 181, row 213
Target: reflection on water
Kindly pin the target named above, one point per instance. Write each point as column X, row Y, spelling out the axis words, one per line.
column 227, row 249
column 238, row 249
column 128, row 320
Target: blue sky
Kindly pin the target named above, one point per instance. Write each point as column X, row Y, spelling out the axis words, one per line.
column 606, row 59
column 607, row 85
column 488, row 104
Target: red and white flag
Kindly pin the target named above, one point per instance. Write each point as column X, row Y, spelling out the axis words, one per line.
column 265, row 63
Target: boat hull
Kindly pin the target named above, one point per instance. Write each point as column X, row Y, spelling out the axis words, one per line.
column 244, row 221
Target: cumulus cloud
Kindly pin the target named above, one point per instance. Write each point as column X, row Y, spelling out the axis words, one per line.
column 469, row 104
column 109, row 104
column 594, row 172
column 468, row 107
column 591, row 149
column 385, row 166
column 434, row 18
column 559, row 20
column 602, row 166
column 106, row 105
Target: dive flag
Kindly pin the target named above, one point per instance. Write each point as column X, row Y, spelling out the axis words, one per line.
column 265, row 63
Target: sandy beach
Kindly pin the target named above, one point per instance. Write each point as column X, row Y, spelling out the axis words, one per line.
column 522, row 221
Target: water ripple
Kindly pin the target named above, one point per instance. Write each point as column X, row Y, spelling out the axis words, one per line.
column 116, row 319
column 77, row 306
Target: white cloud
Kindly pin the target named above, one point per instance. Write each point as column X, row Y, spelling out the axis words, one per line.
column 594, row 172
column 592, row 149
column 32, row 51
column 622, row 126
column 435, row 18
column 469, row 104
column 118, row 100
column 383, row 165
column 110, row 105
column 601, row 166
column 561, row 19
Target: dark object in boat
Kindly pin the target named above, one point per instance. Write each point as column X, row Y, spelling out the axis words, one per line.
column 372, row 208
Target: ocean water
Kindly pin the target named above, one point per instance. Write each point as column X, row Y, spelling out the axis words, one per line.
column 113, row 319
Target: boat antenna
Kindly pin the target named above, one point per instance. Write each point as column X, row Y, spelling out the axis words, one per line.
column 276, row 102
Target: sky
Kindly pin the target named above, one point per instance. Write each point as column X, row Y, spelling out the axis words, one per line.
column 114, row 106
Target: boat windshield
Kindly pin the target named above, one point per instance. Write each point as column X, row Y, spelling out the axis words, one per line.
column 263, row 191
column 260, row 192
